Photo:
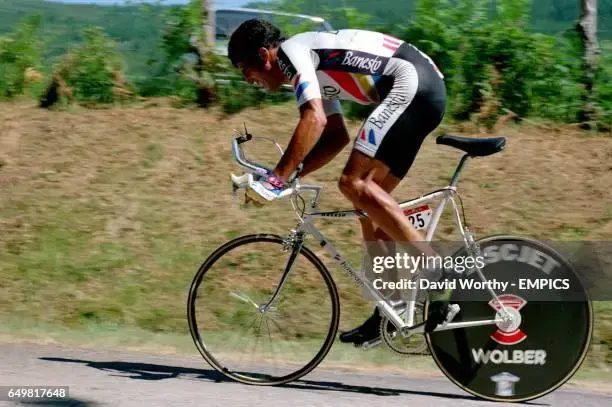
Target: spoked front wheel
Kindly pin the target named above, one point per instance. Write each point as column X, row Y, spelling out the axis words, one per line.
column 248, row 342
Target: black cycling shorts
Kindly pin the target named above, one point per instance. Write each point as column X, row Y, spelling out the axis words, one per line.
column 413, row 105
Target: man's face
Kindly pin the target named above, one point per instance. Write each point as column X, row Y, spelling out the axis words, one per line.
column 267, row 75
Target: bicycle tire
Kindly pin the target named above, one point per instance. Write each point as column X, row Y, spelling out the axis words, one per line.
column 200, row 344
column 582, row 309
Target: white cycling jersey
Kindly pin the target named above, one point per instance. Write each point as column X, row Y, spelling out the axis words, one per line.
column 346, row 64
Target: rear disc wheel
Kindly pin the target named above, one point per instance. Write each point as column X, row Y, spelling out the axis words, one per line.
column 544, row 344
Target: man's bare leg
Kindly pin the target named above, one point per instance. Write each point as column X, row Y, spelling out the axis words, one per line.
column 362, row 186
column 367, row 183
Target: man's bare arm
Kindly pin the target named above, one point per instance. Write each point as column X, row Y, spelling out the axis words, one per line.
column 307, row 133
column 334, row 138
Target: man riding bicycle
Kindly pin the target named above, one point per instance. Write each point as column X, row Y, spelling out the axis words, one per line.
column 361, row 66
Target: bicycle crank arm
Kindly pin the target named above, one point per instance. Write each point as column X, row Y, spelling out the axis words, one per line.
column 452, row 325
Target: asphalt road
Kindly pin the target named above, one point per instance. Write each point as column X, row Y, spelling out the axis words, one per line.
column 113, row 378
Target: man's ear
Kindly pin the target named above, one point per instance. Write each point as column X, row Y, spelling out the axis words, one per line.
column 264, row 55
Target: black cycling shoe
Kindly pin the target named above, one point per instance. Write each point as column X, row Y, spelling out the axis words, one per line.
column 437, row 315
column 366, row 332
column 369, row 330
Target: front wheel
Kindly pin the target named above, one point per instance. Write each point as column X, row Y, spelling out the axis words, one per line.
column 242, row 339
column 547, row 340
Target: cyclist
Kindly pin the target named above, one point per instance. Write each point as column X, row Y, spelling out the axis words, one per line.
column 361, row 66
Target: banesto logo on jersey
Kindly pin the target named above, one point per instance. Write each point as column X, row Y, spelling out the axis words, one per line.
column 355, row 61
column 362, row 61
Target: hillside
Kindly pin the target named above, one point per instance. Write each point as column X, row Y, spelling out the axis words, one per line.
column 547, row 16
column 137, row 31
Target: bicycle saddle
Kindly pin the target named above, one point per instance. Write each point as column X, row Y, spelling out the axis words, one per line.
column 475, row 147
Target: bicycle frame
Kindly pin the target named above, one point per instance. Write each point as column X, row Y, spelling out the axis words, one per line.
column 306, row 225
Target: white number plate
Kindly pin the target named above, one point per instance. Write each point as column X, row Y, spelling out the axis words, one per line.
column 419, row 216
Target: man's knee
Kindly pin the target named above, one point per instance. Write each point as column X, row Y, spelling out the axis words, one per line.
column 351, row 186
column 356, row 189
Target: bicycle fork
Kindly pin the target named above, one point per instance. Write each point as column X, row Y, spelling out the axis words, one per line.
column 294, row 241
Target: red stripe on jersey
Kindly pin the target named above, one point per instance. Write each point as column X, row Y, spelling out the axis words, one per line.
column 391, row 43
column 391, row 47
column 392, row 40
column 363, row 135
column 345, row 80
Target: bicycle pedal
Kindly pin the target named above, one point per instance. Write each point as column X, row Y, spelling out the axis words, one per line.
column 453, row 310
column 367, row 345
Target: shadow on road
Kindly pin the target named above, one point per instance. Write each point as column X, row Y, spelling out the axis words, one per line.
column 146, row 371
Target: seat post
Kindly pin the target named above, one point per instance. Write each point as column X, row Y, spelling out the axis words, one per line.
column 458, row 170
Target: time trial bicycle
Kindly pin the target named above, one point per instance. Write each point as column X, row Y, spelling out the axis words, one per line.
column 263, row 309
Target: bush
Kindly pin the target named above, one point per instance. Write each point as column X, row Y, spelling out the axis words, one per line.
column 90, row 73
column 238, row 95
column 604, row 92
column 492, row 62
column 20, row 60
column 555, row 87
column 188, row 67
column 94, row 67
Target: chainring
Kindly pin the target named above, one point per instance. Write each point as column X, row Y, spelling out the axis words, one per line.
column 415, row 344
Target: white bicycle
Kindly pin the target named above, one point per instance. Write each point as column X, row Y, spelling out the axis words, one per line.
column 263, row 309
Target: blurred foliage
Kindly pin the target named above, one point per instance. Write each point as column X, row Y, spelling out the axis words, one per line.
column 188, row 66
column 89, row 73
column 603, row 80
column 134, row 28
column 94, row 65
column 177, row 42
column 239, row 95
column 496, row 64
column 545, row 16
column 20, row 60
column 492, row 58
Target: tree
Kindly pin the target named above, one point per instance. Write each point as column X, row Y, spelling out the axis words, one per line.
column 587, row 28
column 185, row 42
column 208, row 20
column 204, row 82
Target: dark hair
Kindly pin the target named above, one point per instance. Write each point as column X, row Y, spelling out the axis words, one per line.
column 251, row 35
